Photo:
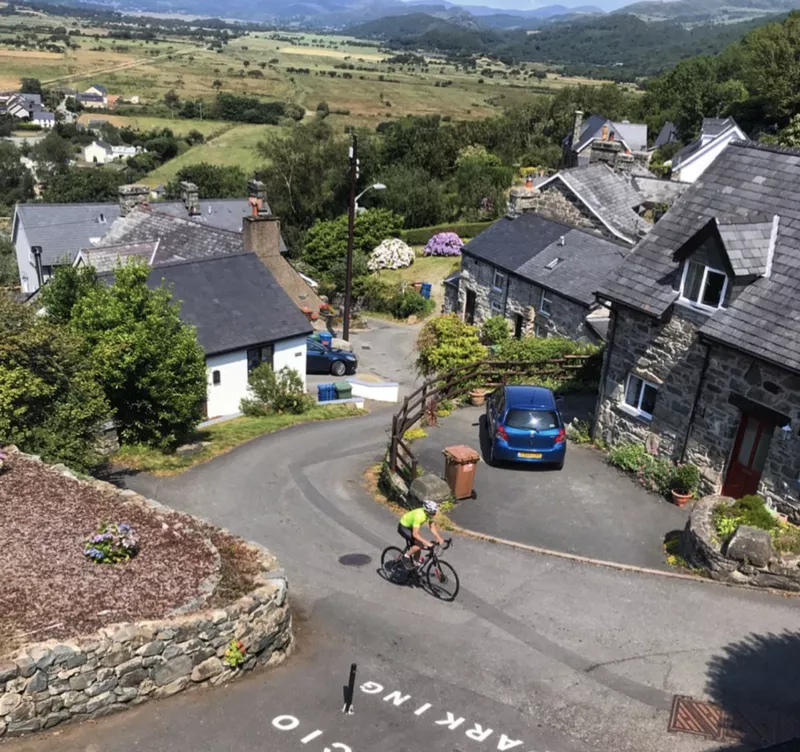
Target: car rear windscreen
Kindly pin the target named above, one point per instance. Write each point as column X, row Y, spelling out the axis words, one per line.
column 531, row 420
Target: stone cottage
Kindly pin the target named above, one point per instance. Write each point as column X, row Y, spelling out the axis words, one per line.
column 598, row 139
column 537, row 273
column 703, row 356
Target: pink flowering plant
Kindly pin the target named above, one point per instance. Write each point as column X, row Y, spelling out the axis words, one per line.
column 444, row 244
column 112, row 543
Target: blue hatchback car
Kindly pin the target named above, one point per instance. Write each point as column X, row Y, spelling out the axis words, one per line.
column 525, row 425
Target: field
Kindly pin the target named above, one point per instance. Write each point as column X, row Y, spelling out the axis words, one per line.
column 236, row 146
column 357, row 82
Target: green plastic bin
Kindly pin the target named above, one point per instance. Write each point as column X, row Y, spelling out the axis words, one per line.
column 344, row 390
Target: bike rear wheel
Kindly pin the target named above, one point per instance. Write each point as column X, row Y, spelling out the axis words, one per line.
column 392, row 566
column 443, row 581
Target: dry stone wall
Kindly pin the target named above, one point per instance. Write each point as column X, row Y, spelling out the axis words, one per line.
column 47, row 683
column 701, row 548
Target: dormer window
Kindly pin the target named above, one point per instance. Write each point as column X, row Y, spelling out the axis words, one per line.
column 703, row 285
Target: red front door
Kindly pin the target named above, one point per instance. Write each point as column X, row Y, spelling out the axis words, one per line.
column 748, row 457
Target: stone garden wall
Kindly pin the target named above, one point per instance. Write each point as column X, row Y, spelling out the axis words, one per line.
column 747, row 559
column 46, row 683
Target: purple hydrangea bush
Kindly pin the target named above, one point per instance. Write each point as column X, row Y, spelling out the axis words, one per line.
column 444, row 244
column 112, row 543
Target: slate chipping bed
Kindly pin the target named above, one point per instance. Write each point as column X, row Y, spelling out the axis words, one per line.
column 50, row 589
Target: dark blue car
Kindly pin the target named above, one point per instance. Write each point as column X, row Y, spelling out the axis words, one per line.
column 525, row 425
column 322, row 359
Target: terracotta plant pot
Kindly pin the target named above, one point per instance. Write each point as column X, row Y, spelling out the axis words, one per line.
column 477, row 397
column 680, row 499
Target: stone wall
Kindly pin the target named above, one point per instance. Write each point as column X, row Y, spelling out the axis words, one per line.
column 521, row 297
column 668, row 354
column 717, row 420
column 701, row 549
column 665, row 353
column 557, row 202
column 46, row 683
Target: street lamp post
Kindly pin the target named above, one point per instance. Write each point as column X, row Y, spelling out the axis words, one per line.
column 352, row 208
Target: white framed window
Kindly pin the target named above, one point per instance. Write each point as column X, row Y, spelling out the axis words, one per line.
column 640, row 396
column 546, row 304
column 499, row 281
column 496, row 308
column 703, row 285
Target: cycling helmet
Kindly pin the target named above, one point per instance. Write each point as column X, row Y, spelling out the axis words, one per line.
column 430, row 507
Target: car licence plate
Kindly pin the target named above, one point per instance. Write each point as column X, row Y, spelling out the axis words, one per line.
column 530, row 455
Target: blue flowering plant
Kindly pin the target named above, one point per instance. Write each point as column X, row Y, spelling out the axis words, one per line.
column 112, row 543
column 444, row 244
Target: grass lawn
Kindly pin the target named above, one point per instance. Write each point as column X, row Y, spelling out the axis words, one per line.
column 223, row 437
column 431, row 269
column 145, row 123
column 236, row 146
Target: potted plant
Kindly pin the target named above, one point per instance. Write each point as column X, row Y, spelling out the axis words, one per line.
column 684, row 483
column 477, row 396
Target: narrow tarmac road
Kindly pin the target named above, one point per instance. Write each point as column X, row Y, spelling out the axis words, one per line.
column 536, row 653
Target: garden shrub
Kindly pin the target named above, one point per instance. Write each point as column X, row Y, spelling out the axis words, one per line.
column 446, row 342
column 283, row 391
column 749, row 510
column 421, row 235
column 392, row 253
column 494, row 330
column 653, row 473
column 444, row 244
column 686, row 478
column 410, row 303
column 112, row 543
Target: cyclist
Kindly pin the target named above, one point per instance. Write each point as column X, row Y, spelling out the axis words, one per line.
column 409, row 529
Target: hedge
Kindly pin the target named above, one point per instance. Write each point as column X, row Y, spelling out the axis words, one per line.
column 421, row 235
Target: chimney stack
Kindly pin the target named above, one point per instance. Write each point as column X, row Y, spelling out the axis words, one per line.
column 132, row 196
column 190, row 196
column 576, row 127
column 262, row 236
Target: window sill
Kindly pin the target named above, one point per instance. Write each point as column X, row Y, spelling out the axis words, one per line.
column 546, row 315
column 632, row 412
column 697, row 307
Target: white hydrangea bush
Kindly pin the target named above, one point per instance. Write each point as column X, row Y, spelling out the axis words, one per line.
column 392, row 253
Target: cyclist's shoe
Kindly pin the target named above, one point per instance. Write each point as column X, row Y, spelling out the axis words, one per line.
column 408, row 563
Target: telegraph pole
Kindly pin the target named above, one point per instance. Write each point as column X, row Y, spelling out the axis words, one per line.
column 350, row 229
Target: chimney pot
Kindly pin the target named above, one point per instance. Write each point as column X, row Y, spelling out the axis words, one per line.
column 529, row 182
column 132, row 196
column 257, row 195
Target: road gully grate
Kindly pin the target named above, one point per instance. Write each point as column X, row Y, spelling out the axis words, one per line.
column 701, row 718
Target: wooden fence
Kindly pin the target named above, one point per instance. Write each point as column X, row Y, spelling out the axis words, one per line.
column 457, row 382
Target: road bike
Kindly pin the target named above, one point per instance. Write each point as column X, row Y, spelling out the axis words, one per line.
column 440, row 577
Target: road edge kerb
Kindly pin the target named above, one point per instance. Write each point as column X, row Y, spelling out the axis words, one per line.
column 619, row 566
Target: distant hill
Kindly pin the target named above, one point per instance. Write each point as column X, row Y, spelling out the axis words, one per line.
column 690, row 11
column 620, row 46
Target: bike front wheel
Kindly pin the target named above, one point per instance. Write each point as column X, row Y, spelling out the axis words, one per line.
column 392, row 565
column 443, row 581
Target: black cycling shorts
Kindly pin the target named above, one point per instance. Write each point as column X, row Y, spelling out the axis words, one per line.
column 408, row 534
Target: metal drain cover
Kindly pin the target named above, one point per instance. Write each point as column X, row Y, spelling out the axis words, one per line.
column 355, row 560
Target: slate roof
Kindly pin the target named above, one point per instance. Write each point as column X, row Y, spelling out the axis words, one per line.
column 527, row 244
column 666, row 135
column 608, row 195
column 106, row 258
column 749, row 241
column 63, row 229
column 633, row 134
column 102, row 89
column 764, row 320
column 233, row 301
column 89, row 98
column 178, row 238
column 715, row 126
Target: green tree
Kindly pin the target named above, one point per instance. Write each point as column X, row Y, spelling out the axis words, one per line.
column 447, row 342
column 212, row 181
column 790, row 135
column 326, row 241
column 16, row 181
column 68, row 285
column 412, row 192
column 50, row 401
column 480, row 183
column 148, row 361
column 30, row 86
column 52, row 154
column 74, row 184
column 9, row 274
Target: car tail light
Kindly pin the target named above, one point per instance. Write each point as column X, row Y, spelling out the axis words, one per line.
column 501, row 432
column 561, row 437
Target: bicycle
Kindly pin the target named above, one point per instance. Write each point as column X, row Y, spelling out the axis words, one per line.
column 440, row 576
